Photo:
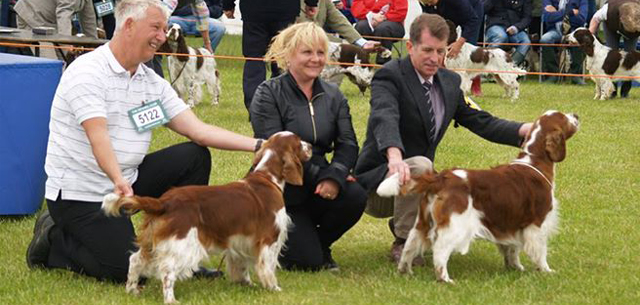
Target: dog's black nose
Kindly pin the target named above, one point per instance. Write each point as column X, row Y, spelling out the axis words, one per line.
column 576, row 116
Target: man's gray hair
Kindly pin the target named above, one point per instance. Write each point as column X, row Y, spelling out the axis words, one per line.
column 136, row 10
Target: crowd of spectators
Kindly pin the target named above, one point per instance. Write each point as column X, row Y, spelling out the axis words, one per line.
column 496, row 22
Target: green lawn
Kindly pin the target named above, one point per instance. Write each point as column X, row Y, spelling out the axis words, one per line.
column 595, row 253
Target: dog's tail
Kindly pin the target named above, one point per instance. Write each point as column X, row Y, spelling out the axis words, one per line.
column 428, row 183
column 112, row 203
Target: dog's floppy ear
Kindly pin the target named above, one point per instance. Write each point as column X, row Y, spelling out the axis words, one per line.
column 292, row 169
column 555, row 146
column 165, row 48
column 182, row 47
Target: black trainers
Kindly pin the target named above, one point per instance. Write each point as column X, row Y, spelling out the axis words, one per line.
column 38, row 250
column 329, row 264
column 203, row 272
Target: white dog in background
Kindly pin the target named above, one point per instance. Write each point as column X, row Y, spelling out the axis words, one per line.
column 602, row 60
column 188, row 73
column 487, row 59
column 348, row 53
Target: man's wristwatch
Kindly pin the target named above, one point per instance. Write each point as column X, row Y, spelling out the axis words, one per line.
column 258, row 145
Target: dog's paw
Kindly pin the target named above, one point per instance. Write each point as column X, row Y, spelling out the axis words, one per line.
column 404, row 268
column 133, row 289
column 390, row 186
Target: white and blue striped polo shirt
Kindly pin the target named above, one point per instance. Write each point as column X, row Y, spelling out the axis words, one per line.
column 96, row 85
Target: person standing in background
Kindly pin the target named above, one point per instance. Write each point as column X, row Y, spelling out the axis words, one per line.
column 261, row 21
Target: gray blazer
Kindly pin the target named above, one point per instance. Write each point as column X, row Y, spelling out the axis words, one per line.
column 399, row 118
column 58, row 14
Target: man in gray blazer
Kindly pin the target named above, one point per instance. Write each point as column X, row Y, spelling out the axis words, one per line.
column 413, row 101
column 57, row 14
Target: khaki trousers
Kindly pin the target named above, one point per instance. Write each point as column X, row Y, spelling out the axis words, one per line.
column 403, row 208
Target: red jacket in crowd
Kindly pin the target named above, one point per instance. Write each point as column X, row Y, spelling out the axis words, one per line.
column 397, row 9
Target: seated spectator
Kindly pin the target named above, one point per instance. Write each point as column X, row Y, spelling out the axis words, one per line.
column 344, row 6
column 186, row 18
column 381, row 18
column 506, row 22
column 561, row 17
column 331, row 20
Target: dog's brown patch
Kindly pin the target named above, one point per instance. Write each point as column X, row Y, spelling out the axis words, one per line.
column 611, row 62
column 631, row 60
column 199, row 59
column 480, row 55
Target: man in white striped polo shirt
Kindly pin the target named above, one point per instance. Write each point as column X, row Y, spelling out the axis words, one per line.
column 103, row 111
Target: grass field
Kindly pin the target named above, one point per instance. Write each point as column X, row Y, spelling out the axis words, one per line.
column 595, row 253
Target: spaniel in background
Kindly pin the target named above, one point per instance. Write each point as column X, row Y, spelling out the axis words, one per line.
column 348, row 53
column 245, row 220
column 487, row 59
column 187, row 74
column 512, row 205
column 602, row 60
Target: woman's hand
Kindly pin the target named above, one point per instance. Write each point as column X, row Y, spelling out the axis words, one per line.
column 327, row 189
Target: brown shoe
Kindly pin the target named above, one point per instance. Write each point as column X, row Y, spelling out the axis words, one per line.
column 396, row 254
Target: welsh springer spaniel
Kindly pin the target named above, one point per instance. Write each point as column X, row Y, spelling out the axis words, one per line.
column 188, row 73
column 246, row 220
column 512, row 205
column 486, row 59
column 602, row 60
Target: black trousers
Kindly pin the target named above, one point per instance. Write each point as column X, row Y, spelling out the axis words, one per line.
column 384, row 29
column 86, row 241
column 256, row 37
column 318, row 223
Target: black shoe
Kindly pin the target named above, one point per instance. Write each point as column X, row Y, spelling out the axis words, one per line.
column 329, row 264
column 203, row 272
column 38, row 250
column 625, row 88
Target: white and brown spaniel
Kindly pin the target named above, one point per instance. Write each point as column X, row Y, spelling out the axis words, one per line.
column 246, row 220
column 602, row 60
column 188, row 73
column 350, row 54
column 505, row 71
column 512, row 205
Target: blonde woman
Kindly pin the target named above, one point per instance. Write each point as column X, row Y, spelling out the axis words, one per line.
column 329, row 203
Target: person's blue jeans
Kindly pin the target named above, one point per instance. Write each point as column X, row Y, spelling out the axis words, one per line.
column 188, row 25
column 498, row 34
column 549, row 61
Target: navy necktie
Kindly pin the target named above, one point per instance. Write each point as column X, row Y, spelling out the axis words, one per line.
column 432, row 116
